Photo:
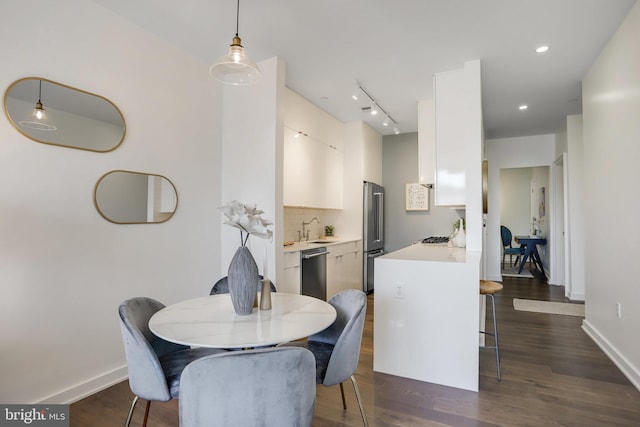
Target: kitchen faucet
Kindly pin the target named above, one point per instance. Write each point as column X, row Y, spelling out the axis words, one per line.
column 304, row 224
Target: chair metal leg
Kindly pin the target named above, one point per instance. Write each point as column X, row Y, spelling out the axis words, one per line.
column 133, row 406
column 344, row 401
column 359, row 399
column 494, row 334
column 146, row 414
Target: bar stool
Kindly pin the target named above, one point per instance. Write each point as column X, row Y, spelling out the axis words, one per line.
column 489, row 288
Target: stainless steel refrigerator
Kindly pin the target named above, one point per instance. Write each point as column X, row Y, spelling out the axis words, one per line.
column 373, row 232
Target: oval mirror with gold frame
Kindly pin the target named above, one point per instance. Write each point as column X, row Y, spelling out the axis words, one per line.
column 56, row 114
column 126, row 197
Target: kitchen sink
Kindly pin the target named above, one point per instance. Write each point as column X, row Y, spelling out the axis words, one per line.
column 322, row 241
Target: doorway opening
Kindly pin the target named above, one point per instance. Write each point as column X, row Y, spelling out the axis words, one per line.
column 524, row 210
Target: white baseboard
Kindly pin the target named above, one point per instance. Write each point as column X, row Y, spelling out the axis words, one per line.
column 629, row 371
column 575, row 296
column 87, row 388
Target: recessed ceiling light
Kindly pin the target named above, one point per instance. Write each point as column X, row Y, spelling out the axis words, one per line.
column 542, row 49
column 523, row 107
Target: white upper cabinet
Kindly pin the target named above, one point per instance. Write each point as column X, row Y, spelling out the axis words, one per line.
column 313, row 156
column 426, row 142
column 449, row 134
column 312, row 172
column 450, row 138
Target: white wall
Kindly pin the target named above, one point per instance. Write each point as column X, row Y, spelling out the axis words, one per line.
column 611, row 103
column 371, row 154
column 63, row 268
column 528, row 151
column 539, row 180
column 348, row 221
column 515, row 200
column 474, row 147
column 577, row 231
column 252, row 149
column 561, row 140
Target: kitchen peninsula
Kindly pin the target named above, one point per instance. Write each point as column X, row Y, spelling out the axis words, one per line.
column 426, row 315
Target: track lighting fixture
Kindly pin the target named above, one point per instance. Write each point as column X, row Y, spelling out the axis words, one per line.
column 374, row 108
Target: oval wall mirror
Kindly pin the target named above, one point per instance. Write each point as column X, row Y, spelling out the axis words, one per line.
column 57, row 114
column 125, row 197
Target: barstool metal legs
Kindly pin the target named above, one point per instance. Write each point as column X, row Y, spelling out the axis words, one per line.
column 494, row 334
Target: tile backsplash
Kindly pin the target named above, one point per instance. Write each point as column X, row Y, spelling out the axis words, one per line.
column 293, row 218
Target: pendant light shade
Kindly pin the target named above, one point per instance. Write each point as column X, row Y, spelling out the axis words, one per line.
column 39, row 119
column 235, row 68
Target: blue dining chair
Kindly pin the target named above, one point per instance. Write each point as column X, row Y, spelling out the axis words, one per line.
column 507, row 249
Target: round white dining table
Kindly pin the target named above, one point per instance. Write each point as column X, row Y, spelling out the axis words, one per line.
column 211, row 321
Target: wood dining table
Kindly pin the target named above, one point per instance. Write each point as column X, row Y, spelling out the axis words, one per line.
column 211, row 321
column 531, row 251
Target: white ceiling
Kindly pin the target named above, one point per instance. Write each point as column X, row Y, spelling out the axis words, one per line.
column 393, row 47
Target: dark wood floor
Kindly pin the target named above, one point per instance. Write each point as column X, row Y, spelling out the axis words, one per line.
column 552, row 375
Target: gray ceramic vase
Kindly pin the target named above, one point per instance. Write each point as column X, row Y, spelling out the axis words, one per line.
column 242, row 278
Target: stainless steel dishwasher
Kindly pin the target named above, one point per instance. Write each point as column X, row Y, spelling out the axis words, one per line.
column 314, row 272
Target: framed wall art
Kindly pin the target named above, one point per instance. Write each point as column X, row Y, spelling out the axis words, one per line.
column 416, row 197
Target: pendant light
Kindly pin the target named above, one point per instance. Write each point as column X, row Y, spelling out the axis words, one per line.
column 235, row 68
column 39, row 116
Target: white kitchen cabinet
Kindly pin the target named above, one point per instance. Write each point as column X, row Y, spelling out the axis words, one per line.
column 313, row 155
column 290, row 283
column 426, row 142
column 344, row 267
column 312, row 172
column 458, row 135
column 450, row 106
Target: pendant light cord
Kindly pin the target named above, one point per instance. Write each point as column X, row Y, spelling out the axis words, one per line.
column 40, row 91
column 237, row 17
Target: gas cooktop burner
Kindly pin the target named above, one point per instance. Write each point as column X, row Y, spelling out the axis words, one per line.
column 436, row 239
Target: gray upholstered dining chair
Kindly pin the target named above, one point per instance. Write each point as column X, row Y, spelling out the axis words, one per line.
column 267, row 387
column 337, row 348
column 222, row 286
column 155, row 365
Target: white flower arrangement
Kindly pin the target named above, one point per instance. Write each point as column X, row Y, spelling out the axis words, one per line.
column 248, row 219
column 536, row 225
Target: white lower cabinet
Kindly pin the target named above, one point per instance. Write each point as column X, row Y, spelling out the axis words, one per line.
column 344, row 267
column 291, row 281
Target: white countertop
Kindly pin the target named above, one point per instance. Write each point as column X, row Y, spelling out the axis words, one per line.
column 301, row 246
column 433, row 253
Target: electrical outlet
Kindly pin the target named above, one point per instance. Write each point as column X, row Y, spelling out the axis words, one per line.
column 399, row 290
column 619, row 310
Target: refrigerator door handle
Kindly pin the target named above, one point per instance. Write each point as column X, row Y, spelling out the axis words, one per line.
column 376, row 254
column 379, row 220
